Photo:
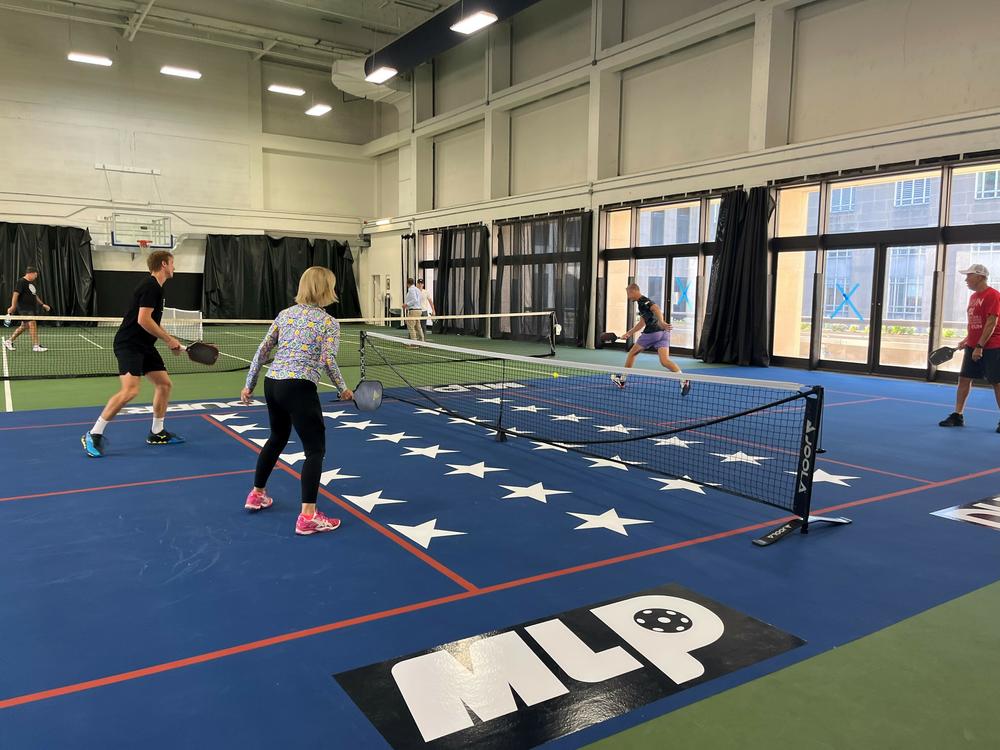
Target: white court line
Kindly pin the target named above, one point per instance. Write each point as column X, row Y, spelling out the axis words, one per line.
column 89, row 341
column 8, row 399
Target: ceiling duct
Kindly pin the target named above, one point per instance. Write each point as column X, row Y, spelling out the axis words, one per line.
column 434, row 36
column 349, row 76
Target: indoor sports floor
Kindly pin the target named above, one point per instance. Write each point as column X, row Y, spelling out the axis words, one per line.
column 143, row 607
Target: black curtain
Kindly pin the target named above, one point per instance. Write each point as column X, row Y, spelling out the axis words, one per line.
column 338, row 258
column 62, row 256
column 461, row 279
column 735, row 330
column 256, row 277
column 544, row 264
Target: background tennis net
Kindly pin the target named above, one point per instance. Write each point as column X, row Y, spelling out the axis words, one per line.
column 755, row 439
column 84, row 347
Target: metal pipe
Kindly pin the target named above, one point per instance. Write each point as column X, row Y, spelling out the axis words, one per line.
column 134, row 23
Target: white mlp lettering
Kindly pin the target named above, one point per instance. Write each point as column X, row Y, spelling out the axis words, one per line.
column 437, row 687
column 667, row 646
column 576, row 659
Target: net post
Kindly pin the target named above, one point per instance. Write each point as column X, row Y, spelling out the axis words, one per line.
column 809, row 447
column 501, row 435
column 362, row 338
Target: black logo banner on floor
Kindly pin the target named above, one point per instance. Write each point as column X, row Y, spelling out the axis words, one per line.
column 528, row 684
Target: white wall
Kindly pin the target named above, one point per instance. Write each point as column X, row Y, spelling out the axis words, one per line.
column 547, row 36
column 642, row 17
column 548, row 141
column 873, row 63
column 690, row 105
column 458, row 166
column 388, row 184
column 460, row 75
column 220, row 170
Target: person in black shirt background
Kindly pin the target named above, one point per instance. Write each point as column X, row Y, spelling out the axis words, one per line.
column 25, row 301
column 135, row 349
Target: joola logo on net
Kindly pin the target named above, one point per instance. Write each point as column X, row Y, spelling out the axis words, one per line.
column 531, row 683
column 808, row 451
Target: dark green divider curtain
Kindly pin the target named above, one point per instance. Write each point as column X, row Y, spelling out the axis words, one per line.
column 256, row 277
column 461, row 279
column 736, row 321
column 544, row 263
column 62, row 256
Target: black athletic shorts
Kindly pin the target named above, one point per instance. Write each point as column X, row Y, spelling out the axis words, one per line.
column 133, row 361
column 987, row 368
column 27, row 311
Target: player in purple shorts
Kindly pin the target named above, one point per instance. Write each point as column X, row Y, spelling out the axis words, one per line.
column 655, row 335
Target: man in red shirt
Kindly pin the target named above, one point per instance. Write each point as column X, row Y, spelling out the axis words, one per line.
column 981, row 344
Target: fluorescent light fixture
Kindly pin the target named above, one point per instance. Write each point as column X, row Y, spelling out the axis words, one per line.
column 170, row 70
column 473, row 23
column 318, row 110
column 383, row 222
column 290, row 90
column 381, row 75
column 82, row 57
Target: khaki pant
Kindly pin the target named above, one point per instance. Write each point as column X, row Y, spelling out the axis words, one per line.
column 415, row 324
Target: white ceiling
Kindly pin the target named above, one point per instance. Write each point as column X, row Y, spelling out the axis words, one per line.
column 306, row 32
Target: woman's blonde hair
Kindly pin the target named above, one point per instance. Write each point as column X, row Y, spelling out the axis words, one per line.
column 316, row 287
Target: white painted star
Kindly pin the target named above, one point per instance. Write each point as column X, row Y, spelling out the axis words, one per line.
column 358, row 425
column 432, row 452
column 535, row 492
column 434, row 412
column 823, row 476
column 741, row 457
column 496, row 400
column 569, row 445
column 547, row 447
column 616, row 428
column 224, row 417
column 334, row 414
column 258, row 441
column 395, row 437
column 567, row 418
column 477, row 470
column 609, row 520
column 515, row 431
column 370, row 501
column 632, row 463
column 533, row 409
column 423, row 533
column 605, row 463
column 333, row 475
column 241, row 428
column 291, row 458
column 466, row 420
column 679, row 484
column 676, row 441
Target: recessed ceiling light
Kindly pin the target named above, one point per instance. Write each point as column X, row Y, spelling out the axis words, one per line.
column 170, row 70
column 474, row 22
column 383, row 222
column 318, row 110
column 290, row 90
column 381, row 75
column 82, row 57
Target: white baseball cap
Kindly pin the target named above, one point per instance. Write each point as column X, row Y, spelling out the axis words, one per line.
column 977, row 268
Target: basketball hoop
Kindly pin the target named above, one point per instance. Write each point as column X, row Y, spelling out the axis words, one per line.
column 144, row 244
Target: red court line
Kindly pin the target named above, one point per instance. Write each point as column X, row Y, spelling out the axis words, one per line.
column 912, row 401
column 876, row 471
column 430, row 603
column 128, row 484
column 827, row 404
column 146, row 418
column 404, row 543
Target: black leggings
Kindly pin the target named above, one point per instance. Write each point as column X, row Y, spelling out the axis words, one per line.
column 293, row 402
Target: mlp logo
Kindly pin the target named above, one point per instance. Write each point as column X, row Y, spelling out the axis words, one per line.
column 529, row 684
column 985, row 512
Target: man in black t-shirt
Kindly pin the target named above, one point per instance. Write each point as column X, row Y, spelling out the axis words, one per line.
column 135, row 349
column 25, row 301
column 655, row 335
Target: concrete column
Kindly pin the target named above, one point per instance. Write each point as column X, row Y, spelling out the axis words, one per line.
column 422, row 172
column 771, row 86
column 604, row 125
column 255, row 128
column 423, row 91
column 496, row 167
column 499, row 52
column 610, row 16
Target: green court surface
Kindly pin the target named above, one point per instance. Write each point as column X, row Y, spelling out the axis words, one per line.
column 920, row 684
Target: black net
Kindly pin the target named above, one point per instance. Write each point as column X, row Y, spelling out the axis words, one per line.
column 84, row 347
column 745, row 437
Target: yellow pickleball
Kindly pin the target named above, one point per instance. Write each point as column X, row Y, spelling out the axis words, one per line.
column 555, row 374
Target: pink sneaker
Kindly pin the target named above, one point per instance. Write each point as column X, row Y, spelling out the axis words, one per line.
column 315, row 524
column 258, row 501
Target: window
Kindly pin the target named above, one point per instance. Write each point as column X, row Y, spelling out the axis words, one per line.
column 714, row 204
column 670, row 224
column 841, row 200
column 954, row 317
column 798, row 211
column 620, row 228
column 913, row 192
column 988, row 185
column 837, row 278
column 906, row 278
column 793, row 298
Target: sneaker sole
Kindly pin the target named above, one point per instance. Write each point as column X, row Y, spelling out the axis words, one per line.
column 315, row 531
column 83, row 442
